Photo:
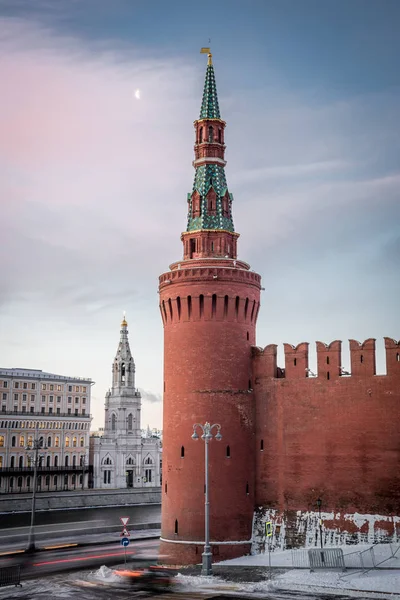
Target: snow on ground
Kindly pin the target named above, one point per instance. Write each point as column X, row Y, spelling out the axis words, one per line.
column 384, row 579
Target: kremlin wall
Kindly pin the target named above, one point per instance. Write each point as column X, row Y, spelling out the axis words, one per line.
column 289, row 436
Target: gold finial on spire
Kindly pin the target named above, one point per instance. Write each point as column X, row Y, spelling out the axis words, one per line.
column 124, row 323
column 207, row 51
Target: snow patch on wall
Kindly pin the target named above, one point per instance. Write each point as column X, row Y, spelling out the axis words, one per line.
column 301, row 529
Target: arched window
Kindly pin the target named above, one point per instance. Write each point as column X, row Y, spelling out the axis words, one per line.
column 73, row 479
column 74, row 461
column 67, row 442
column 67, row 460
column 19, row 482
column 13, row 441
column 130, row 422
column 82, row 442
column 210, row 134
column 74, row 442
column 201, row 135
column 130, row 461
column 12, row 461
column 123, row 372
column 148, row 461
column 55, row 481
column 47, row 461
column 57, row 441
column 1, row 441
column 21, row 462
column 113, row 422
column 49, row 442
column 21, row 441
column 56, row 461
column 220, row 136
column 48, row 480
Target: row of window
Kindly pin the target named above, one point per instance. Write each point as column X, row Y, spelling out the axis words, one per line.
column 42, row 425
column 25, row 482
column 50, row 398
column 23, row 461
column 148, row 476
column 43, row 410
column 107, row 460
column 47, row 386
column 130, row 420
column 29, row 441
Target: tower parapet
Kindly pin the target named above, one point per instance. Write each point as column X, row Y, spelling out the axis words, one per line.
column 329, row 359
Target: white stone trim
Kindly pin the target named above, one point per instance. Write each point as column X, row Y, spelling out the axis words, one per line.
column 201, row 543
column 209, row 159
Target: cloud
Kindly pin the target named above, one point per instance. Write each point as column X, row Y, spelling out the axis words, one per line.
column 150, row 396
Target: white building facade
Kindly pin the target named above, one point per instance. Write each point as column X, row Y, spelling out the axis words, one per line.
column 53, row 409
column 120, row 456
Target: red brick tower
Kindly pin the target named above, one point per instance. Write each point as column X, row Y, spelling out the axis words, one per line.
column 209, row 303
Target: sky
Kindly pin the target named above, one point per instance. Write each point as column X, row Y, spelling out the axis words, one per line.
column 93, row 179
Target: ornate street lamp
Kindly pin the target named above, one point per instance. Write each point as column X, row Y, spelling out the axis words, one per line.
column 207, row 435
column 35, row 458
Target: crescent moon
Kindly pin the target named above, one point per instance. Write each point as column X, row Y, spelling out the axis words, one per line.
column 137, row 94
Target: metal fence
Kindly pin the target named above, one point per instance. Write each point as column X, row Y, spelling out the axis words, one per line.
column 10, row 576
column 371, row 558
column 326, row 558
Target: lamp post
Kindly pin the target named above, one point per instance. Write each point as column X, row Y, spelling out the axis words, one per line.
column 207, row 435
column 319, row 502
column 37, row 445
column 83, row 463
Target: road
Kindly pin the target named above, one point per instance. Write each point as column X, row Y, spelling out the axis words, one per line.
column 74, row 525
column 85, row 586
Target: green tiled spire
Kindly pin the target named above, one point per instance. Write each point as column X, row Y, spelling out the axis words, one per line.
column 209, row 106
column 209, row 166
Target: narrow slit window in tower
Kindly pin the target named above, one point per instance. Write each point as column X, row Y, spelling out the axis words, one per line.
column 228, row 452
column 170, row 307
column 252, row 311
column 398, row 357
column 247, row 488
column 248, row 336
column 192, row 246
column 166, row 487
column 210, row 134
column 262, row 445
column 249, row 384
column 164, row 311
column 176, row 527
column 214, row 305
column 130, row 422
column 226, row 301
column 113, row 422
column 327, row 360
column 295, row 361
column 212, row 246
column 361, row 358
column 201, row 302
column 220, row 136
column 123, row 372
column 237, row 306
column 182, row 451
column 189, row 305
column 246, row 308
column 201, row 135
column 328, row 375
column 178, row 306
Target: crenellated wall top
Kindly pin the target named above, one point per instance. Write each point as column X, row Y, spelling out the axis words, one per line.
column 329, row 360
